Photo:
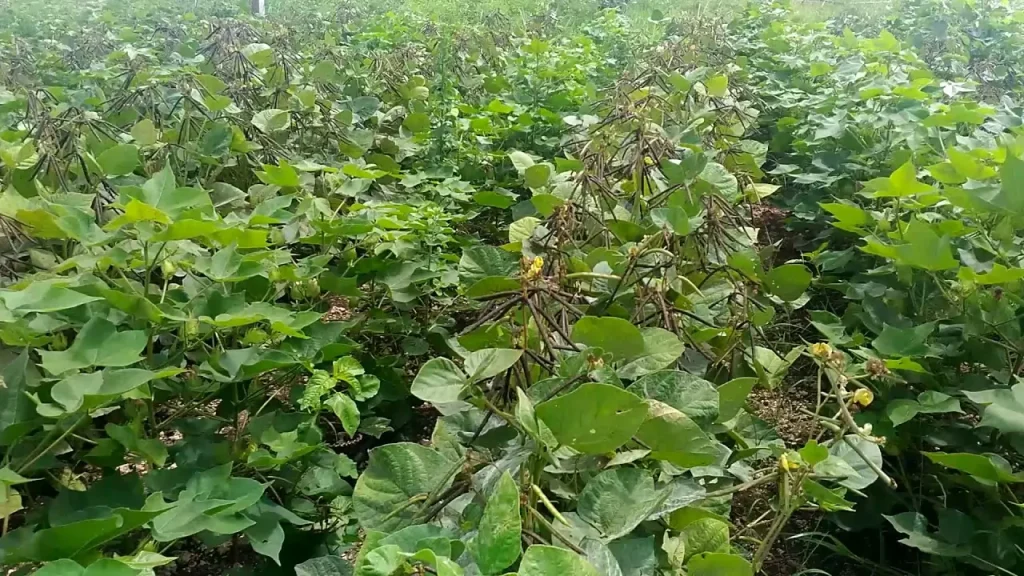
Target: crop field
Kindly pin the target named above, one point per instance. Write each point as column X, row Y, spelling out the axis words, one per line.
column 534, row 287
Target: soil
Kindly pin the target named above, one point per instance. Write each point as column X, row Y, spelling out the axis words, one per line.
column 781, row 407
column 196, row 559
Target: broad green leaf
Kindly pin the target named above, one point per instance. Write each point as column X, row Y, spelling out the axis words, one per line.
column 857, row 474
column 661, row 349
column 674, row 437
column 732, row 396
column 901, row 183
column 389, row 493
column 829, row 500
column 346, row 410
column 552, row 561
column 901, row 411
column 718, row 86
column 492, row 285
column 44, row 297
column 617, row 500
column 705, row 535
column 718, row 564
column 789, row 281
column 17, row 412
column 915, row 527
column 813, row 453
column 325, row 566
column 537, row 175
column 272, row 120
column 145, row 133
column 73, row 390
column 119, row 160
column 98, row 344
column 417, row 122
column 616, row 336
column 1003, row 408
column 691, row 395
column 673, row 218
column 489, row 362
column 497, row 544
column 594, row 418
column 904, row 341
column 217, row 140
column 439, row 381
column 479, row 262
column 522, row 229
column 325, row 71
column 923, row 248
column 521, row 160
column 989, row 467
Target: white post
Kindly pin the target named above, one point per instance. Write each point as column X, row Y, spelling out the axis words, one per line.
column 259, row 7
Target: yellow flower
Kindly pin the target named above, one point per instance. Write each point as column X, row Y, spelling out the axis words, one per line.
column 863, row 396
column 536, row 266
column 821, row 350
column 786, row 464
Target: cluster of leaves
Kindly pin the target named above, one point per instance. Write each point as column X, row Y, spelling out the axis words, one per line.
column 914, row 157
column 237, row 254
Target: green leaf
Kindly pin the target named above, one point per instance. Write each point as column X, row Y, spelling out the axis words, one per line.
column 72, row 392
column 389, row 493
column 119, row 160
column 145, row 133
column 617, row 500
column 661, row 349
column 497, row 544
column 858, row 474
column 826, row 499
column 439, row 381
column 490, row 362
column 479, row 262
column 732, row 396
column 417, row 122
column 217, row 140
column 521, row 160
column 45, row 298
column 813, row 453
column 789, row 281
column 895, row 341
column 98, row 344
column 272, row 120
column 324, row 566
column 674, row 437
column 901, row 183
column 718, row 86
column 325, row 71
column 718, row 564
column 673, row 218
column 492, row 285
column 705, row 535
column 346, row 410
column 616, row 336
column 495, row 199
column 691, row 395
column 537, row 175
column 594, row 418
column 901, row 411
column 1003, row 408
column 988, row 467
column 522, row 229
column 915, row 527
column 924, row 248
column 552, row 561
column 17, row 412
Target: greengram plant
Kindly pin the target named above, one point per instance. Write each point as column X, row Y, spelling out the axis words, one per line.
column 350, row 292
